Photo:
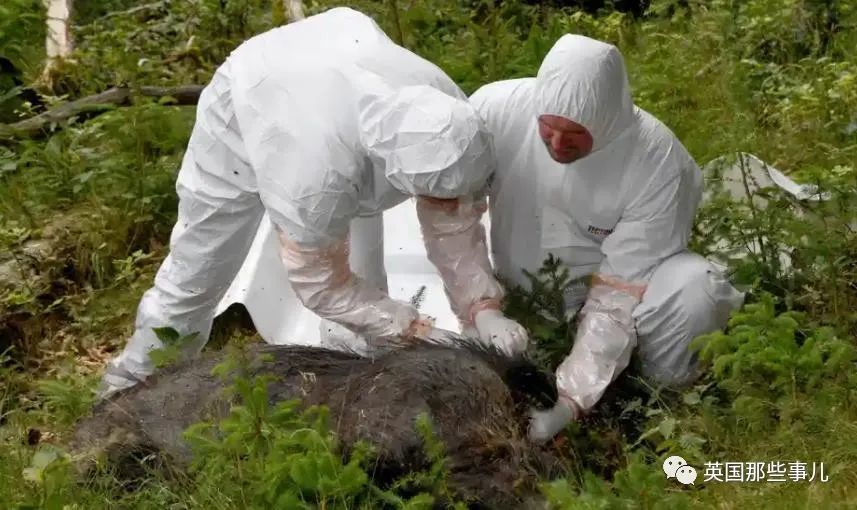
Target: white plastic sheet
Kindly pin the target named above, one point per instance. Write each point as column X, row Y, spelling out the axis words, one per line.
column 280, row 318
column 726, row 172
column 738, row 174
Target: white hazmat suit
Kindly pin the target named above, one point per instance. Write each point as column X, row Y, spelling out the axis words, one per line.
column 621, row 216
column 318, row 123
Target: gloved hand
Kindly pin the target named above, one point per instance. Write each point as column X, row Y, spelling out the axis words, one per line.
column 470, row 331
column 337, row 336
column 546, row 424
column 497, row 329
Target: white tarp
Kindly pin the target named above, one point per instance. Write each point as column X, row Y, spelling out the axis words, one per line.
column 728, row 172
column 261, row 285
column 741, row 173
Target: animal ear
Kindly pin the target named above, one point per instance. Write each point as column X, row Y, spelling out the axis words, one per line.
column 531, row 385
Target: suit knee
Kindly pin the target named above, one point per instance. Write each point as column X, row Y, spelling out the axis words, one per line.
column 695, row 300
column 673, row 375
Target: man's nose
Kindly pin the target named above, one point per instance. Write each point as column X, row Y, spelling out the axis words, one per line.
column 556, row 141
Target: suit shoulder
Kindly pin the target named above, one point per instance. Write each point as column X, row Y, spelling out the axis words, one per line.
column 659, row 143
column 504, row 104
column 503, row 93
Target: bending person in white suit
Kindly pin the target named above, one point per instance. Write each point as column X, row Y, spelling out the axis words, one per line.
column 604, row 186
column 318, row 123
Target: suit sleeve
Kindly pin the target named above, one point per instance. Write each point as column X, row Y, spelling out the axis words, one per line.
column 655, row 226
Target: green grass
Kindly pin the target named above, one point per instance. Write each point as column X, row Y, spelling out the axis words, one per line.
column 768, row 77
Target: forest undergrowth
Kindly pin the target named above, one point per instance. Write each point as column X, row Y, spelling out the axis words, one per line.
column 86, row 213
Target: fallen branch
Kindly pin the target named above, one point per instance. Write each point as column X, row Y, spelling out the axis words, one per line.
column 132, row 11
column 92, row 106
column 184, row 94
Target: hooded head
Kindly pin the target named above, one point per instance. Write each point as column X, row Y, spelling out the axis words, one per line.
column 585, row 81
column 429, row 143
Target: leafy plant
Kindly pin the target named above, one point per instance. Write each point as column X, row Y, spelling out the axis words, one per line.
column 541, row 309
column 175, row 344
column 287, row 457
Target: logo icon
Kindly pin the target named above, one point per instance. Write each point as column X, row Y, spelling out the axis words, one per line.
column 686, row 475
column 671, row 465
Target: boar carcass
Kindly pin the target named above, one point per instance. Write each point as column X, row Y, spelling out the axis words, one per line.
column 476, row 398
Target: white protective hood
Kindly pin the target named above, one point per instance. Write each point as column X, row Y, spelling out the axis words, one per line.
column 350, row 125
column 427, row 142
column 584, row 80
column 621, row 209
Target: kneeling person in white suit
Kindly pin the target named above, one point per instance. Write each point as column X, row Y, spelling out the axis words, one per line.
column 317, row 123
column 604, row 186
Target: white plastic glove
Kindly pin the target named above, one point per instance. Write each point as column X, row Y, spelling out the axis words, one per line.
column 546, row 424
column 495, row 328
column 337, row 336
column 470, row 332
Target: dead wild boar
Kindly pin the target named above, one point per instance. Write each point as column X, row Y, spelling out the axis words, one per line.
column 475, row 397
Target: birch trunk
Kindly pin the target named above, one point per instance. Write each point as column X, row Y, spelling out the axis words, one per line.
column 58, row 43
column 295, row 9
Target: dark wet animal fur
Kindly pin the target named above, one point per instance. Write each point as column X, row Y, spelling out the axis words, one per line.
column 476, row 399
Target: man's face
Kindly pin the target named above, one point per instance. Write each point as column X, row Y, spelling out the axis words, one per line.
column 566, row 141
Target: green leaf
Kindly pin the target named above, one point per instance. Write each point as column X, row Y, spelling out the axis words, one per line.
column 39, row 463
column 165, row 357
column 691, row 441
column 691, row 398
column 167, row 335
column 667, row 427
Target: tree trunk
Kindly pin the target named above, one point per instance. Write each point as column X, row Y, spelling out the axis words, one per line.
column 400, row 34
column 295, row 9
column 58, row 43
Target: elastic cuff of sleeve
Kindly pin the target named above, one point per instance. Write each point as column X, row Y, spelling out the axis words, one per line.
column 448, row 205
column 631, row 288
column 479, row 306
column 566, row 400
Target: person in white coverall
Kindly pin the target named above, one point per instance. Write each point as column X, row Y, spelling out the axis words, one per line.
column 319, row 123
column 604, row 186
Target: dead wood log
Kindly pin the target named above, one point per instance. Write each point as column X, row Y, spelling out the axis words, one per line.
column 92, row 106
column 132, row 11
